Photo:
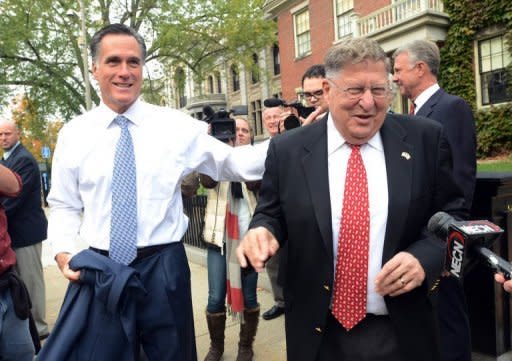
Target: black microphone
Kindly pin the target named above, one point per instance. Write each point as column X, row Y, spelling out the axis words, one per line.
column 273, row 102
column 473, row 236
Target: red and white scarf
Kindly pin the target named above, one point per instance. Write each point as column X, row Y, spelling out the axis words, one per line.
column 235, row 298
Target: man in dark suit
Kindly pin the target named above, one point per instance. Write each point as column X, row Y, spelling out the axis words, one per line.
column 26, row 220
column 272, row 118
column 360, row 262
column 416, row 67
column 15, row 336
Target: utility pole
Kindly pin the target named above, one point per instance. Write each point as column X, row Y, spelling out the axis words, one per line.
column 88, row 102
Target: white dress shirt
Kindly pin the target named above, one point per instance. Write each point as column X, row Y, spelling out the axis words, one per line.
column 338, row 152
column 424, row 97
column 7, row 153
column 168, row 146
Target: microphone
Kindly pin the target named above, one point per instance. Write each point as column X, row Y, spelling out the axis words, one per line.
column 273, row 102
column 473, row 236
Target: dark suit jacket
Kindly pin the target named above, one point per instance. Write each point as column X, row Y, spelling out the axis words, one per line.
column 26, row 221
column 294, row 205
column 457, row 119
column 97, row 319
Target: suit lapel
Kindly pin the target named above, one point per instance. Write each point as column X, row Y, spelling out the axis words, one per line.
column 398, row 154
column 427, row 108
column 314, row 162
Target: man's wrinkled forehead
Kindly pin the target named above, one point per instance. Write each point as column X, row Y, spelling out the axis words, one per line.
column 272, row 112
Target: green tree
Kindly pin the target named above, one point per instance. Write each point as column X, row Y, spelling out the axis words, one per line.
column 214, row 30
column 40, row 47
column 35, row 132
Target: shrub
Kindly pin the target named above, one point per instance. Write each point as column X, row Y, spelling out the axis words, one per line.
column 494, row 130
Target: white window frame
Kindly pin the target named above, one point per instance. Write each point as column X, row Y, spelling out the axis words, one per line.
column 497, row 60
column 343, row 15
column 303, row 39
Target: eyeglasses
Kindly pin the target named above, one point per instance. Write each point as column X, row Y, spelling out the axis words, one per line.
column 317, row 94
column 353, row 93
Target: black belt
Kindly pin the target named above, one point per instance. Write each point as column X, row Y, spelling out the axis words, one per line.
column 142, row 252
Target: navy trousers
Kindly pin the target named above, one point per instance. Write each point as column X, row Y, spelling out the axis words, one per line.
column 115, row 308
column 454, row 325
column 164, row 317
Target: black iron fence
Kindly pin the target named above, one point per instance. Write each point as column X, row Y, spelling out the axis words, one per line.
column 194, row 208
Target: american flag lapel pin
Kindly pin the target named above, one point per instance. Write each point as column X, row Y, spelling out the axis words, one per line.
column 406, row 155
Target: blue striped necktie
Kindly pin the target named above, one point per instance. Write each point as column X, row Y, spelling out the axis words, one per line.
column 123, row 225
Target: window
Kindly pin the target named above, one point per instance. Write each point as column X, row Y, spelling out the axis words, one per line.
column 219, row 83
column 343, row 21
column 210, row 84
column 179, row 79
column 235, row 78
column 255, row 69
column 276, row 59
column 494, row 58
column 302, row 34
column 256, row 117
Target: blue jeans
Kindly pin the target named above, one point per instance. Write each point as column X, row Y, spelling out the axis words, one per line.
column 217, row 283
column 15, row 340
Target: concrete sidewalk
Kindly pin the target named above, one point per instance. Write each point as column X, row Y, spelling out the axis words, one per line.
column 270, row 342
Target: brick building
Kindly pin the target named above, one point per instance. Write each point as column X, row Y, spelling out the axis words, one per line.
column 307, row 28
column 229, row 86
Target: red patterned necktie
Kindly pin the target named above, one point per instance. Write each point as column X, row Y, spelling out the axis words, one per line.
column 350, row 285
column 412, row 107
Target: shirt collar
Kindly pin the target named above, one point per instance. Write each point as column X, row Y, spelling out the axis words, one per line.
column 135, row 113
column 425, row 96
column 8, row 153
column 335, row 140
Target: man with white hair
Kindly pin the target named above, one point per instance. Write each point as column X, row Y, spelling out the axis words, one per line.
column 416, row 67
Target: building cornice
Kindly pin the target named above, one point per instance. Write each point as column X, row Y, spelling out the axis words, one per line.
column 273, row 7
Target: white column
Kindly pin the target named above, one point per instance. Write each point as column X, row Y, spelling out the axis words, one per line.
column 355, row 25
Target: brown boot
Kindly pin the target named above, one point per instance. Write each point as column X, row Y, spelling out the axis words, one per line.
column 216, row 325
column 247, row 332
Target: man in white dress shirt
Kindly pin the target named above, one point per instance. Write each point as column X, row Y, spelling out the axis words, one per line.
column 416, row 68
column 168, row 145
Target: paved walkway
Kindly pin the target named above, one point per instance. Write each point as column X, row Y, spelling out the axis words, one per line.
column 269, row 344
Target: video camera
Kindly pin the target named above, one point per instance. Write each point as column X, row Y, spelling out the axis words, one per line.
column 291, row 121
column 223, row 127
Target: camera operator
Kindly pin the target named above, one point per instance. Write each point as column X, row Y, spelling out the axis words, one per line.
column 312, row 87
column 229, row 210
